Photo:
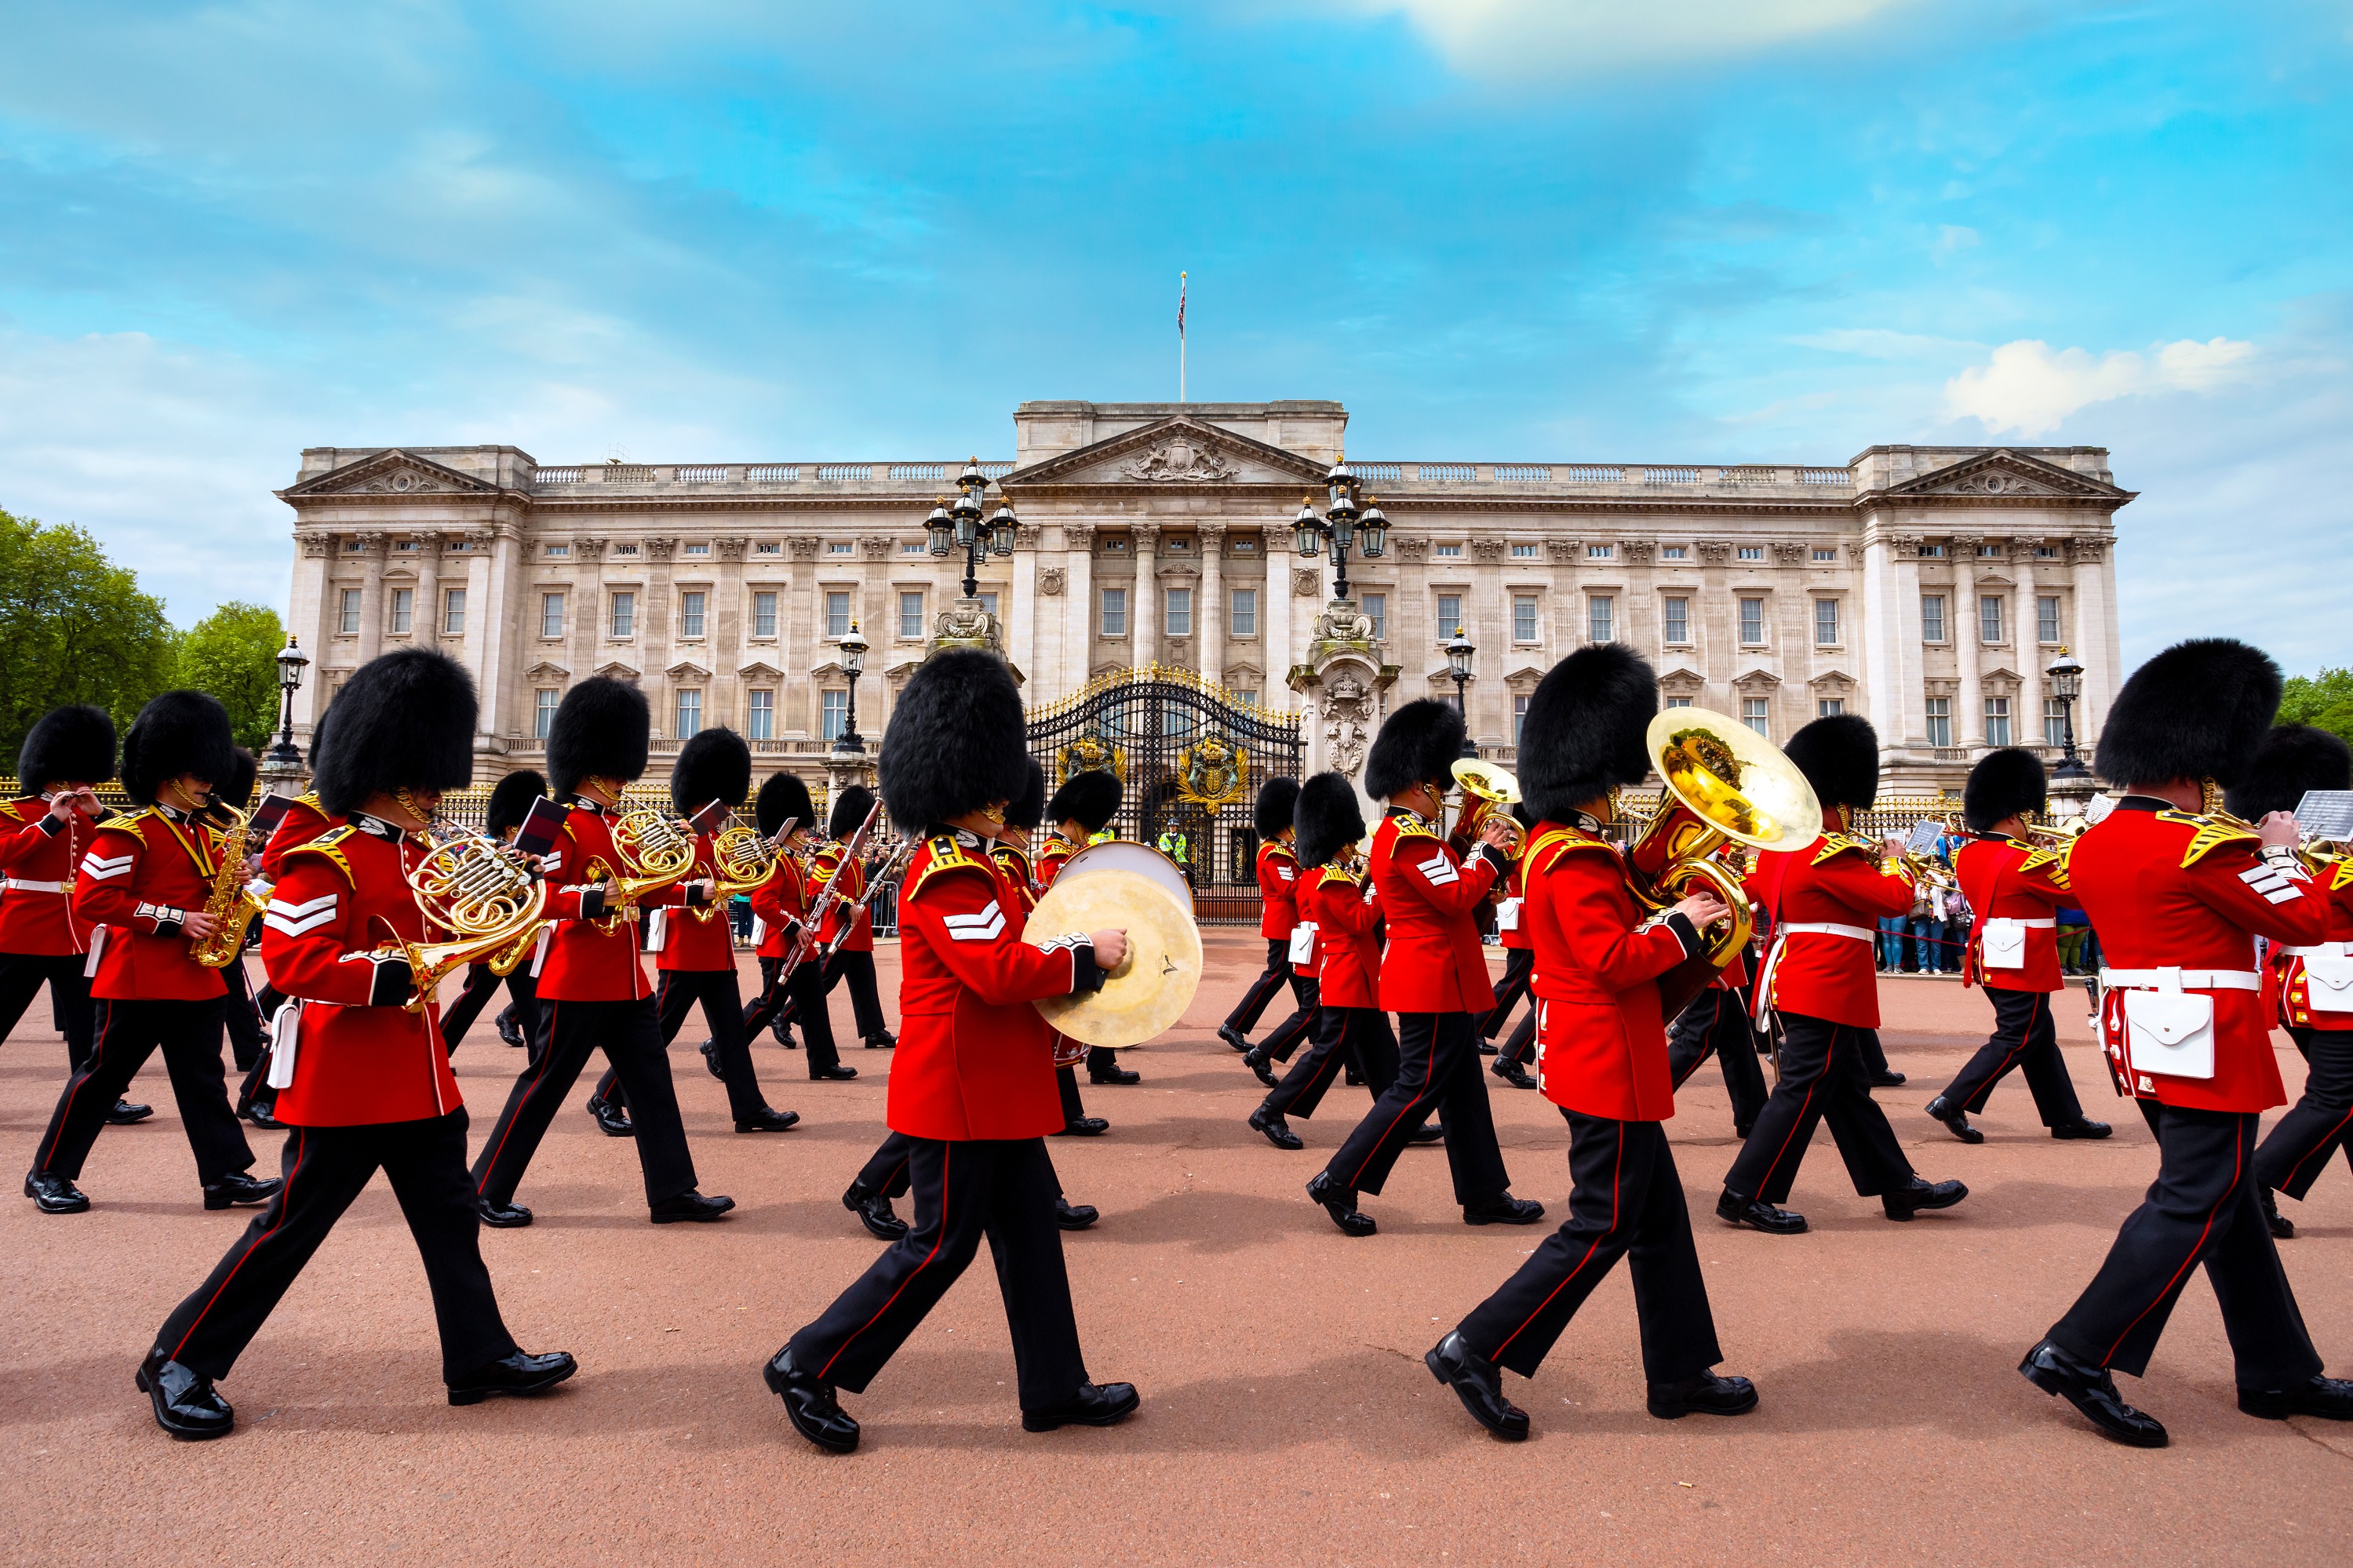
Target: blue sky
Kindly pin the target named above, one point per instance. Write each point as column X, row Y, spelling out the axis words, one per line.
column 1575, row 230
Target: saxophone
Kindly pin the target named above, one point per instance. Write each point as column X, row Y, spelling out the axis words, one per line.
column 229, row 902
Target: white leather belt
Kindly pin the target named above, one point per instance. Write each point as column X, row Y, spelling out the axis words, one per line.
column 2188, row 979
column 25, row 885
column 2049, row 922
column 1823, row 928
column 2326, row 950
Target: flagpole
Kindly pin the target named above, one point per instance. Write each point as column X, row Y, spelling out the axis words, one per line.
column 1180, row 337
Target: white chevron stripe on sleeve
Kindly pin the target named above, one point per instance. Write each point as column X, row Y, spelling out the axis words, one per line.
column 309, row 906
column 99, row 869
column 287, row 927
column 1438, row 871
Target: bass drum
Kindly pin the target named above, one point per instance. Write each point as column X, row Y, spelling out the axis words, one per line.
column 1118, row 855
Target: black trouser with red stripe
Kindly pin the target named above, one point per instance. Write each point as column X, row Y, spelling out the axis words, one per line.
column 855, row 965
column 2319, row 1122
column 1066, row 1083
column 1245, row 1016
column 22, row 974
column 675, row 991
column 2023, row 1037
column 1521, row 1049
column 248, row 1040
column 631, row 1041
column 1438, row 1072
column 1624, row 1197
column 327, row 1168
column 189, row 1034
column 1003, row 1191
column 1299, row 1027
column 1344, row 1036
column 889, row 1170
column 1716, row 1023
column 2201, row 1209
column 1822, row 1079
column 481, row 985
column 806, row 992
column 1519, row 963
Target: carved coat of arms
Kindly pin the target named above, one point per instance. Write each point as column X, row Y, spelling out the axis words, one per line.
column 1181, row 458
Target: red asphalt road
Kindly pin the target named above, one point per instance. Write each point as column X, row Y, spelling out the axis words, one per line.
column 1287, row 1417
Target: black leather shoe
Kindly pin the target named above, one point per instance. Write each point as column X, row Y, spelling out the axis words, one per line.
column 1094, row 1405
column 1352, row 1078
column 710, row 1049
column 2282, row 1228
column 1340, row 1203
column 520, row 1375
column 874, row 1212
column 1426, row 1134
column 1075, row 1216
column 809, row 1405
column 837, row 1071
column 509, row 1030
column 1479, row 1384
column 2082, row 1127
column 1513, row 1073
column 1489, row 1049
column 502, row 1217
column 1921, row 1196
column 766, row 1121
column 183, row 1401
column 1084, row 1127
column 611, row 1119
column 1707, row 1393
column 692, row 1207
column 236, row 1187
column 1233, row 1036
column 1741, row 1129
column 783, row 1039
column 1889, row 1079
column 262, row 1113
column 1278, row 1131
column 884, row 1041
column 1259, row 1062
column 1503, row 1209
column 1114, row 1075
column 2330, row 1398
column 1757, row 1214
column 125, row 1113
column 2093, row 1391
column 52, row 1194
column 1956, row 1119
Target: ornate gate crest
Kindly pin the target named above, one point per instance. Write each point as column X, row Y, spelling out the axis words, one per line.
column 1212, row 773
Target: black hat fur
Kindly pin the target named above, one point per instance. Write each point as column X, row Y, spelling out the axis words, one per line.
column 1419, row 742
column 1028, row 809
column 1840, row 757
column 510, row 800
column 1277, row 801
column 2197, row 710
column 602, row 730
column 177, row 732
column 236, row 790
column 783, row 797
column 1328, row 819
column 2294, row 758
column 2003, row 785
column 403, row 720
column 1583, row 735
column 849, row 809
column 713, row 765
column 1092, row 798
column 75, row 742
column 956, row 742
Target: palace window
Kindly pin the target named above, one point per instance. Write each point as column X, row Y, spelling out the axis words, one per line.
column 1115, row 546
column 2046, row 553
column 768, row 547
column 760, row 717
column 1246, row 697
column 1178, row 611
column 1450, row 614
column 1826, row 630
column 839, row 547
column 550, row 615
column 348, row 621
column 1988, row 552
column 1115, row 611
column 1677, row 620
column 1524, row 617
column 2046, row 619
column 1829, row 554
column 837, row 614
column 1752, row 553
column 1932, row 552
column 1601, row 617
column 697, row 550
column 1679, row 701
column 1448, row 550
column 913, row 547
column 1752, row 622
column 1997, row 721
column 1519, row 715
column 911, row 614
column 1600, row 552
column 1757, row 713
column 763, row 612
column 544, row 711
column 1932, row 617
column 988, row 600
column 625, row 615
column 690, row 713
column 1524, row 552
column 403, row 610
column 1376, row 610
column 1676, row 552
column 405, row 544
column 559, row 551
column 835, row 716
column 689, row 614
column 1245, row 547
column 453, row 612
column 1940, row 720
column 1179, row 546
column 1990, row 617
column 1829, row 707
column 625, row 550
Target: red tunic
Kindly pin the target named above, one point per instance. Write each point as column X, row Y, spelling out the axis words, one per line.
column 2171, row 889
column 142, row 876
column 38, row 854
column 779, row 903
column 582, row 961
column 1512, row 907
column 1347, row 914
column 1433, row 963
column 1601, row 1042
column 2004, row 880
column 305, row 819
column 697, row 940
column 1051, row 859
column 339, row 898
column 2303, row 1002
column 1278, row 889
column 975, row 1058
column 1835, row 881
column 823, row 869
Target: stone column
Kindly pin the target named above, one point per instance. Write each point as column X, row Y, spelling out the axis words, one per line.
column 1021, row 617
column 1210, row 618
column 2026, row 636
column 1970, row 729
column 309, row 613
column 1079, row 608
column 425, row 613
column 796, row 642
column 1891, row 636
column 372, row 597
column 1719, row 628
column 2096, row 642
column 1491, row 612
column 1143, row 615
column 499, row 616
column 1276, row 632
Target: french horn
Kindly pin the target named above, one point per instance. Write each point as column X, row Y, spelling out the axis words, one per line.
column 481, row 892
column 657, row 851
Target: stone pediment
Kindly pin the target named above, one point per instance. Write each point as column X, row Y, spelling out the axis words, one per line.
column 618, row 670
column 1683, row 681
column 759, row 667
column 391, row 472
column 2001, row 474
column 1757, row 680
column 547, row 669
column 687, row 667
column 1831, row 679
column 1176, row 453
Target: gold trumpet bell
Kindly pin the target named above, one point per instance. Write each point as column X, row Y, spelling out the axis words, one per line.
column 1487, row 790
column 483, row 895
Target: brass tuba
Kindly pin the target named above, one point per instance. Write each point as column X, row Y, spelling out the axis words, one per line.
column 482, row 893
column 228, row 899
column 1487, row 792
column 657, row 851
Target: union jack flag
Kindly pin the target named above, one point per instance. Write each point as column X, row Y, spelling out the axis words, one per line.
column 1180, row 304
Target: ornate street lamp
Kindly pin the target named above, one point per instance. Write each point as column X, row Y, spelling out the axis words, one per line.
column 1459, row 650
column 853, row 661
column 2066, row 673
column 291, row 663
column 1344, row 522
column 959, row 527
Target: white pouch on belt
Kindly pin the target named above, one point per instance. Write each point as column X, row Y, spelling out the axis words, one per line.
column 657, row 930
column 1507, row 915
column 2169, row 1030
column 2329, row 982
column 2002, row 943
column 285, row 1035
column 1303, row 942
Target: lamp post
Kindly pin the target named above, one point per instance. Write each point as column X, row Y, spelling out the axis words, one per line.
column 1344, row 522
column 853, row 660
column 959, row 527
column 285, row 757
column 1459, row 650
column 2066, row 673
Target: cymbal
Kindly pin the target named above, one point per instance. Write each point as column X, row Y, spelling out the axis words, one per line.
column 1124, row 855
column 1155, row 981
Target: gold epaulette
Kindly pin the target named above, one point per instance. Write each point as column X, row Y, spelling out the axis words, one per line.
column 2054, row 860
column 1278, row 848
column 1840, row 843
column 1335, row 876
column 329, row 845
column 1413, row 827
column 2344, row 878
column 1545, row 850
column 310, row 797
column 946, row 855
column 130, row 824
column 824, row 864
column 2208, row 835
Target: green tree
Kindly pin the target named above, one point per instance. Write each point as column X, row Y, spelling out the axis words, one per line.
column 74, row 627
column 2323, row 701
column 232, row 654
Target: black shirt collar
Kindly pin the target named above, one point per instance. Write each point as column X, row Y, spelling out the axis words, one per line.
column 2144, row 802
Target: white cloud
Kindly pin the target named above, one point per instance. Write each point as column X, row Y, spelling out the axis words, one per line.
column 2028, row 387
column 1524, row 38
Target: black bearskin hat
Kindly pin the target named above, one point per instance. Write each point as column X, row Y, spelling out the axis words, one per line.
column 2198, row 711
column 1419, row 742
column 236, row 790
column 1840, row 757
column 76, row 742
column 1092, row 798
column 1278, row 800
column 1327, row 817
column 510, row 800
column 1028, row 809
column 405, row 719
column 849, row 809
column 713, row 765
column 177, row 732
column 956, row 742
column 2294, row 758
column 1583, row 735
column 2003, row 785
column 602, row 730
column 782, row 799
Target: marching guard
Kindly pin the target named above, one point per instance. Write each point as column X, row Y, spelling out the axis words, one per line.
column 370, row 1084
column 1081, row 808
column 510, row 802
column 852, row 949
column 1511, row 1063
column 2178, row 897
column 1602, row 1057
column 1278, row 893
column 972, row 1084
column 783, row 904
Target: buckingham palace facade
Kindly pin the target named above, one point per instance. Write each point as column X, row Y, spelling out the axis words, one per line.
column 1925, row 587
